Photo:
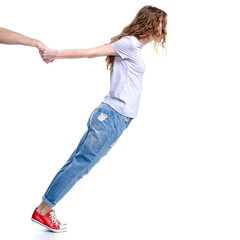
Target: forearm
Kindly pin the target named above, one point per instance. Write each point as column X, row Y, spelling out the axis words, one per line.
column 73, row 53
column 10, row 37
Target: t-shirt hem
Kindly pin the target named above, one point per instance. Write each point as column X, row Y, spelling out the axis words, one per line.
column 120, row 111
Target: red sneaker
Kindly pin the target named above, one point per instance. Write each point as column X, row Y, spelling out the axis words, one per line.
column 49, row 221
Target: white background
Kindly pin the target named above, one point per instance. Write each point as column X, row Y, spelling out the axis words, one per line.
column 174, row 173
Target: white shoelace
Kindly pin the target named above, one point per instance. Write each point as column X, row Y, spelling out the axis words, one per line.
column 54, row 217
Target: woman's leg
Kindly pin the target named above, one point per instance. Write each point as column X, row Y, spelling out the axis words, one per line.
column 105, row 126
column 43, row 208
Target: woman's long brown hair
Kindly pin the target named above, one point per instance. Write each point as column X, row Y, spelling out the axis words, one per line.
column 145, row 25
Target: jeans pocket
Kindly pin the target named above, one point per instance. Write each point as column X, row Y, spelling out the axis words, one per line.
column 101, row 121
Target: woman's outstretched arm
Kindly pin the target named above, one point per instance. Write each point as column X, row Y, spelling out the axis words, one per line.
column 49, row 55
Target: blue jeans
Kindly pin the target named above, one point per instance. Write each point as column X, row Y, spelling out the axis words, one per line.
column 105, row 126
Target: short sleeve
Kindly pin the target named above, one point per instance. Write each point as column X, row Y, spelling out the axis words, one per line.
column 123, row 47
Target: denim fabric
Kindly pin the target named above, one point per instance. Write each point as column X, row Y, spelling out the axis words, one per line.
column 105, row 126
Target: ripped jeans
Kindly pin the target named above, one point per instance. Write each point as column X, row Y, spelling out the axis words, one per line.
column 105, row 126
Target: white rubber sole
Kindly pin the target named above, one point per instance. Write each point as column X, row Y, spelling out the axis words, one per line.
column 64, row 229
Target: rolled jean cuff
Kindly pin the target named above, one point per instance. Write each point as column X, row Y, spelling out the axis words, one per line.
column 47, row 202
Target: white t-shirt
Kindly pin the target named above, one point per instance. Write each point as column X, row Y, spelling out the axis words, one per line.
column 126, row 77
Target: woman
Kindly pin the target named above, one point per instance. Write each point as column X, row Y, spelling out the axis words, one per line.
column 112, row 117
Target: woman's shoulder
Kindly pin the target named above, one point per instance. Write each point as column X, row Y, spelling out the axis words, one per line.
column 129, row 38
column 125, row 41
column 134, row 41
column 130, row 41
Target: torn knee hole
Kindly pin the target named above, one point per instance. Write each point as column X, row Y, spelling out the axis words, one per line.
column 113, row 144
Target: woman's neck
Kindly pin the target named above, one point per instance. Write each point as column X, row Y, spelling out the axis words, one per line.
column 144, row 41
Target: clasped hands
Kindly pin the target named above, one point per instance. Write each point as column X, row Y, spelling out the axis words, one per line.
column 47, row 54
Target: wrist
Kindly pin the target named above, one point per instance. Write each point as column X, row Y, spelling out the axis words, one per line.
column 58, row 54
column 38, row 44
column 35, row 43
